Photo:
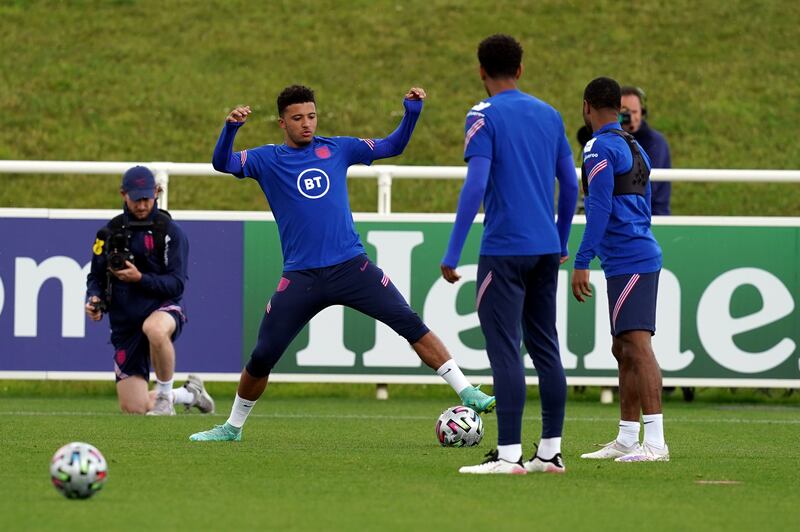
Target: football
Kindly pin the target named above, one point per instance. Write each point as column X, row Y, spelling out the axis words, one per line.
column 78, row 470
column 459, row 426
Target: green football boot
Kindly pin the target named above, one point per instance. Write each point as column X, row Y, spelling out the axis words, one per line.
column 474, row 398
column 224, row 432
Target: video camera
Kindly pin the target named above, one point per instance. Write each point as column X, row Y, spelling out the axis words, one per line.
column 624, row 117
column 118, row 251
column 116, row 247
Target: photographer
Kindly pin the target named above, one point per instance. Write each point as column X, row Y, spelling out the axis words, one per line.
column 633, row 114
column 137, row 277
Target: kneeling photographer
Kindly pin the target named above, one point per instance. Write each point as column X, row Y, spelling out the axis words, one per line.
column 138, row 274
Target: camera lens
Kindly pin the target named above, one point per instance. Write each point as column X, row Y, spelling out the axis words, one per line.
column 116, row 261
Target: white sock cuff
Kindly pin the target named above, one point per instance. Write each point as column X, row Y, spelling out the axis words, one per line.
column 182, row 396
column 548, row 447
column 239, row 412
column 510, row 453
column 453, row 375
column 164, row 387
column 244, row 402
column 654, row 429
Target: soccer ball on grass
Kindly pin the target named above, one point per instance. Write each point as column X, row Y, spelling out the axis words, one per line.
column 459, row 426
column 78, row 470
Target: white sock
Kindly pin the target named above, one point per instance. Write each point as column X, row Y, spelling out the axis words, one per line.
column 451, row 373
column 628, row 433
column 182, row 396
column 654, row 430
column 548, row 448
column 164, row 387
column 239, row 412
column 510, row 453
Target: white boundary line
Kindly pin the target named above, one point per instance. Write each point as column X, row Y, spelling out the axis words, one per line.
column 401, row 379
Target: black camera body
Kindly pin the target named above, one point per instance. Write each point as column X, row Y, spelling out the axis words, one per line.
column 118, row 250
column 625, row 117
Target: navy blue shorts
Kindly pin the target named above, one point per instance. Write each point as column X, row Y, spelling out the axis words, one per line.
column 356, row 283
column 632, row 302
column 132, row 351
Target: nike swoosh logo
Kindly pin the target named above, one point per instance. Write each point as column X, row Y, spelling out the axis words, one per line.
column 364, row 267
column 446, row 372
column 648, row 422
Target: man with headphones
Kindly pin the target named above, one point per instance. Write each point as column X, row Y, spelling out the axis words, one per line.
column 633, row 114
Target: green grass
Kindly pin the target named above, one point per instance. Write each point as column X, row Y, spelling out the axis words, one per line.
column 150, row 80
column 330, row 457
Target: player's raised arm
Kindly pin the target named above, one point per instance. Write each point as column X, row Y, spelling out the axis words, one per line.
column 397, row 141
column 224, row 160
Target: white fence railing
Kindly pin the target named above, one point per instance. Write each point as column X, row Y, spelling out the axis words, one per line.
column 385, row 174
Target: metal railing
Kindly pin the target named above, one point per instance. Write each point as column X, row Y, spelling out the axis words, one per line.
column 385, row 174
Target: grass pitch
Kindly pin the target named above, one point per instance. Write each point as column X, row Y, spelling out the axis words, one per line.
column 316, row 460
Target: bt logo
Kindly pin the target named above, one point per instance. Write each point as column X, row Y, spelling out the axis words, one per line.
column 313, row 183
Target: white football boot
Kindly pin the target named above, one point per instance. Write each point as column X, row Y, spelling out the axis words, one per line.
column 163, row 406
column 494, row 465
column 539, row 465
column 648, row 453
column 612, row 450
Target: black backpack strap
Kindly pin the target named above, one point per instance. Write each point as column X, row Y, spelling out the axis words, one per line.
column 634, row 181
column 160, row 228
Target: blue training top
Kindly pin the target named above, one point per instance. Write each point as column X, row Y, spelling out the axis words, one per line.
column 307, row 188
column 617, row 227
column 524, row 140
column 307, row 191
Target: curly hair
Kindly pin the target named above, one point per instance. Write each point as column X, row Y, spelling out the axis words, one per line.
column 294, row 94
column 500, row 55
column 603, row 93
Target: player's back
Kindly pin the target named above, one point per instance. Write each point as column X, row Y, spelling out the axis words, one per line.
column 524, row 137
column 628, row 244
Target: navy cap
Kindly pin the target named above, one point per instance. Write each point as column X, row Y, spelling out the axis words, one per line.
column 139, row 183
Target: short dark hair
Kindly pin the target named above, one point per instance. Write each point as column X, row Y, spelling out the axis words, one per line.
column 500, row 55
column 603, row 93
column 630, row 90
column 294, row 94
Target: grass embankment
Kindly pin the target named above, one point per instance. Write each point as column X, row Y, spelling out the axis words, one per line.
column 152, row 81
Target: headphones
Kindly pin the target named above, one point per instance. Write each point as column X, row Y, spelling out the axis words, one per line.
column 641, row 95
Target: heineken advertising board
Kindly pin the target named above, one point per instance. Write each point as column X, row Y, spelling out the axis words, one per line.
column 727, row 311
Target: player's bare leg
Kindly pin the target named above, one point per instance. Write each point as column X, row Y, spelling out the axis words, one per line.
column 627, row 440
column 132, row 395
column 637, row 347
column 159, row 328
column 251, row 388
column 432, row 352
column 629, row 404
